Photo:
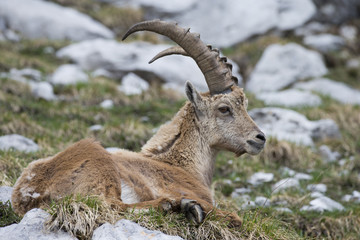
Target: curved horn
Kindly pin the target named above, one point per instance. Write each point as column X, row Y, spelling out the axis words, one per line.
column 217, row 73
column 173, row 50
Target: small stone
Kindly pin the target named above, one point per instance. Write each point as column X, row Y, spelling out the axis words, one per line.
column 96, row 127
column 262, row 201
column 353, row 63
column 290, row 98
column 43, row 90
column 132, row 84
column 248, row 205
column 285, row 184
column 316, row 194
column 68, row 74
column 303, row 176
column 328, row 155
column 101, row 72
column 18, row 143
column 107, row 104
column 283, row 209
column 285, row 171
column 317, row 188
column 322, row 204
column 112, row 149
column 324, row 42
column 5, row 193
column 260, row 178
column 348, row 32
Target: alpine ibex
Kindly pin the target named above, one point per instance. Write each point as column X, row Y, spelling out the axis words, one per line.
column 174, row 169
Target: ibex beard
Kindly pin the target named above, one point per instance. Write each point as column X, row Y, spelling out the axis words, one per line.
column 174, row 169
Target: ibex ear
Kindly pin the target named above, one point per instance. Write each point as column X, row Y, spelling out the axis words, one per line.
column 194, row 97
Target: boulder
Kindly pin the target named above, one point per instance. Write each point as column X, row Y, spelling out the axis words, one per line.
column 131, row 84
column 282, row 65
column 68, row 74
column 324, row 42
column 290, row 98
column 125, row 229
column 285, row 124
column 18, row 143
column 5, row 193
column 122, row 58
column 45, row 19
column 336, row 90
column 32, row 227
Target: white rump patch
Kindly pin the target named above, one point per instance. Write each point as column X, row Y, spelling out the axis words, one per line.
column 128, row 194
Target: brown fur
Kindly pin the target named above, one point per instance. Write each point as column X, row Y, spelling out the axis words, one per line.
column 177, row 163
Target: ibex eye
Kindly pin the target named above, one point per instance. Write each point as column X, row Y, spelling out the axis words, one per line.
column 224, row 109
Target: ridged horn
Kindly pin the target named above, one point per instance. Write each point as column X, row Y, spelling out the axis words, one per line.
column 173, row 50
column 217, row 73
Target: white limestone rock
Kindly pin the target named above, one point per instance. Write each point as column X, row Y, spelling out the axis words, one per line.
column 262, row 201
column 132, row 84
column 311, row 29
column 96, row 127
column 43, row 90
column 354, row 197
column 283, row 209
column 322, row 204
column 322, row 188
column 68, row 74
column 285, row 184
column 23, row 75
column 336, row 90
column 122, row 58
column 260, row 178
column 32, row 227
column 125, row 229
column 290, row 98
column 303, row 176
column 18, row 143
column 353, row 63
column 113, row 149
column 107, row 104
column 324, row 42
column 348, row 32
column 238, row 192
column 328, row 155
column 44, row 19
column 285, row 124
column 283, row 65
column 5, row 193
column 316, row 194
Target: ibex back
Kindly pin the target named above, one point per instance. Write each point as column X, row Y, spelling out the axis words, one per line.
column 174, row 169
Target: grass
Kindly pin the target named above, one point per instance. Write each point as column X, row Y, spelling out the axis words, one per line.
column 56, row 125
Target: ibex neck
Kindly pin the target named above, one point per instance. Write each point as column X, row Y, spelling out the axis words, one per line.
column 181, row 143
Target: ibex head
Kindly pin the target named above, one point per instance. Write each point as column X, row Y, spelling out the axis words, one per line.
column 221, row 112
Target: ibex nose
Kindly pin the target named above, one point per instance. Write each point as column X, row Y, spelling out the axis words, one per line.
column 261, row 136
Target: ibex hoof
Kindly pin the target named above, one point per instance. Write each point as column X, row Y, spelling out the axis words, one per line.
column 192, row 210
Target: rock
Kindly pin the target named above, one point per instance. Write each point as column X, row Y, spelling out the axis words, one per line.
column 311, row 29
column 328, row 155
column 283, row 209
column 303, row 176
column 32, row 227
column 260, row 178
column 125, row 229
column 322, row 204
column 285, row 184
column 248, row 205
column 122, row 58
column 353, row 63
column 44, row 19
column 316, row 194
column 348, row 32
column 336, row 90
column 18, row 143
column 283, row 65
column 262, row 201
column 285, row 171
column 317, row 188
column 43, row 90
column 158, row 8
column 107, row 104
column 290, row 98
column 24, row 75
column 324, row 42
column 5, row 193
column 285, row 124
column 354, row 197
column 230, row 28
column 68, row 74
column 335, row 11
column 96, row 127
column 102, row 73
column 132, row 84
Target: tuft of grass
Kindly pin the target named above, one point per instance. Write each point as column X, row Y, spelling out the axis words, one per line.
column 7, row 214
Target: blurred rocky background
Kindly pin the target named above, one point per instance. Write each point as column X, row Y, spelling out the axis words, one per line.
column 66, row 75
